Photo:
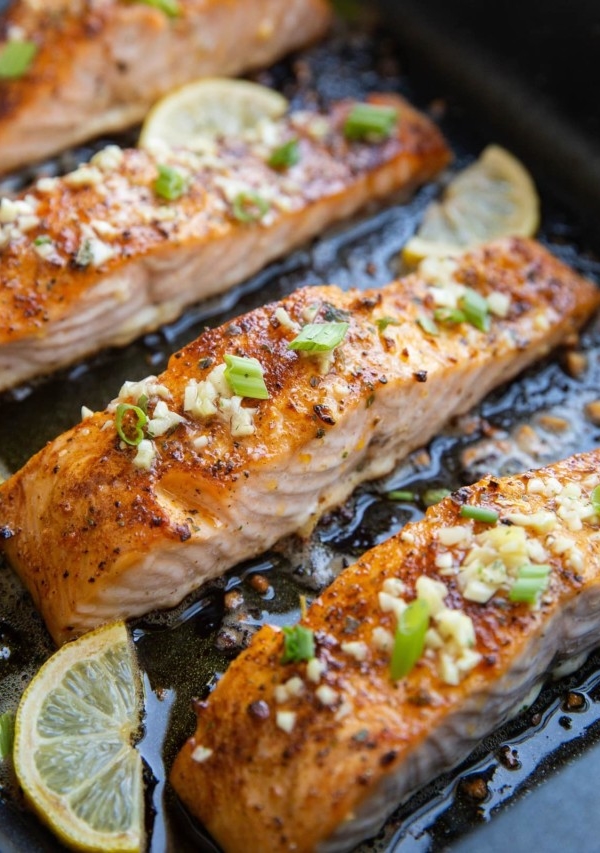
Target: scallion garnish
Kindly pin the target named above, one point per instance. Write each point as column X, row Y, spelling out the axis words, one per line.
column 169, row 7
column 427, row 324
column 401, row 495
column 595, row 499
column 42, row 240
column 15, row 58
column 170, row 184
column 434, row 496
column 410, row 638
column 476, row 309
column 286, row 156
column 245, row 375
column 479, row 513
column 531, row 582
column 298, row 644
column 249, row 206
column 319, row 337
column 449, row 315
column 370, row 122
column 383, row 322
column 130, row 422
column 7, row 734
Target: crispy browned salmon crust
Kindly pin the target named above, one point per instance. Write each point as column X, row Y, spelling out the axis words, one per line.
column 313, row 756
column 98, row 529
column 100, row 256
column 100, row 64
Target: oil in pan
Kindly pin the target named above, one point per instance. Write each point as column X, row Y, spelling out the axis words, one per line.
column 546, row 414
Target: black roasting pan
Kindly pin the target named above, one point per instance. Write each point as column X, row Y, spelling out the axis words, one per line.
column 523, row 75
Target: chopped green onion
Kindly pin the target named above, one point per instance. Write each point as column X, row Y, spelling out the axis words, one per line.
column 15, row 58
column 434, row 496
column 42, row 240
column 410, row 638
column 383, row 322
column 249, row 206
column 298, row 644
column 476, row 309
column 286, row 156
column 595, row 499
column 370, row 122
column 479, row 513
column 170, row 183
column 531, row 582
column 7, row 734
column 169, row 7
column 245, row 375
column 449, row 315
column 132, row 431
column 400, row 495
column 535, row 570
column 427, row 324
column 319, row 337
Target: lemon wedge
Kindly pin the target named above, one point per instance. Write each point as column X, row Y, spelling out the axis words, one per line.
column 494, row 197
column 73, row 754
column 204, row 109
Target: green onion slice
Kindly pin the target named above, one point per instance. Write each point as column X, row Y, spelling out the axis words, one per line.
column 531, row 582
column 479, row 513
column 245, row 375
column 319, row 337
column 286, row 156
column 298, row 644
column 369, row 122
column 410, row 638
column 249, row 206
column 170, row 184
column 169, row 7
column 7, row 734
column 130, row 422
column 595, row 499
column 383, row 322
column 15, row 58
column 476, row 309
column 449, row 315
column 434, row 496
column 427, row 324
column 401, row 495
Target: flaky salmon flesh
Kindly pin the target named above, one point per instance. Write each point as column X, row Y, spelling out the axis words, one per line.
column 134, row 508
column 125, row 243
column 98, row 65
column 313, row 755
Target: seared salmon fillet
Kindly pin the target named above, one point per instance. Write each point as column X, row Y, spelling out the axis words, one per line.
column 188, row 473
column 313, row 754
column 128, row 241
column 98, row 65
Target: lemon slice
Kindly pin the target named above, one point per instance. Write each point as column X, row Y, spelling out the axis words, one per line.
column 204, row 109
column 73, row 754
column 494, row 197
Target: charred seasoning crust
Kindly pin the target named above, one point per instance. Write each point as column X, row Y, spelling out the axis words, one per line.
column 293, row 789
column 136, row 225
column 81, row 503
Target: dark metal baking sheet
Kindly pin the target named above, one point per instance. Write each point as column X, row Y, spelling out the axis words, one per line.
column 181, row 653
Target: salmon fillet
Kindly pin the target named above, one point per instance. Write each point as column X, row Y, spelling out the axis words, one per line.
column 100, row 256
column 100, row 64
column 313, row 756
column 100, row 529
